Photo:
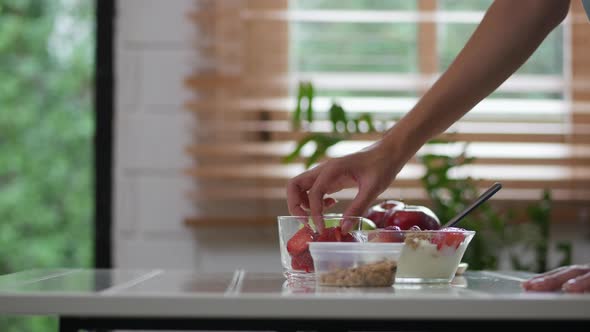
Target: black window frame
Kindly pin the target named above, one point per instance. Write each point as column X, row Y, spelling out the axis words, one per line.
column 104, row 89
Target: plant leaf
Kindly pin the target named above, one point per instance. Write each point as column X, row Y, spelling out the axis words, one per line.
column 368, row 119
column 337, row 116
column 295, row 153
column 309, row 93
column 296, row 120
column 322, row 142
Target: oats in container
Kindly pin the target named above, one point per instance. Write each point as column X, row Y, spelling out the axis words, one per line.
column 355, row 264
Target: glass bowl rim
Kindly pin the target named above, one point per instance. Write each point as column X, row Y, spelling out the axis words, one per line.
column 423, row 231
column 355, row 244
column 327, row 215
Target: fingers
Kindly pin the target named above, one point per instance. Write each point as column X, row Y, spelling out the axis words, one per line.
column 306, row 187
column 316, row 195
column 297, row 200
column 555, row 280
column 329, row 202
column 546, row 274
column 580, row 284
column 527, row 284
column 316, row 205
column 357, row 207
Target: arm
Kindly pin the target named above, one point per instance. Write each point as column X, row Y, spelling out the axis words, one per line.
column 506, row 37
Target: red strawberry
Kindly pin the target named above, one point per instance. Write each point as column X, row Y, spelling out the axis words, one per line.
column 303, row 262
column 334, row 234
column 452, row 237
column 329, row 235
column 347, row 237
column 299, row 242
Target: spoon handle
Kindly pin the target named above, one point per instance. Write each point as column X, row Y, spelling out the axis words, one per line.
column 484, row 197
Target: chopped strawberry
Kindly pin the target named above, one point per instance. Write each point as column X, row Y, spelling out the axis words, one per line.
column 347, row 237
column 299, row 242
column 303, row 261
column 334, row 234
column 451, row 237
column 329, row 235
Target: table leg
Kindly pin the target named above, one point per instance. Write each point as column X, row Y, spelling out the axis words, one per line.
column 67, row 325
column 71, row 325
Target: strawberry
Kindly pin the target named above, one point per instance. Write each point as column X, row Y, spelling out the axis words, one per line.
column 334, row 234
column 299, row 242
column 347, row 237
column 303, row 261
column 451, row 237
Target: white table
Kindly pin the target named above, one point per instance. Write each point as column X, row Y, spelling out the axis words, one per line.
column 158, row 299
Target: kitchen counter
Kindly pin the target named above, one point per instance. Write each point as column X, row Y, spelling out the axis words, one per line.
column 243, row 300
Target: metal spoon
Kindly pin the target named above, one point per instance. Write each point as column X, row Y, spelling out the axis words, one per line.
column 484, row 197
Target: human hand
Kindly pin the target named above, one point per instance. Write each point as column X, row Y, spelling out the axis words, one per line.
column 571, row 279
column 370, row 170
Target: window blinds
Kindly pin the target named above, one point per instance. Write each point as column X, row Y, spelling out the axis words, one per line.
column 375, row 57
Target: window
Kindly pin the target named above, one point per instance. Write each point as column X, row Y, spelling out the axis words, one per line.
column 46, row 130
column 376, row 57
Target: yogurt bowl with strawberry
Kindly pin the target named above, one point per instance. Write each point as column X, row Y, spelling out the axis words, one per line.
column 427, row 256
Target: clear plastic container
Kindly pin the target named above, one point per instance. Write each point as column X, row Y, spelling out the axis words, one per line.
column 355, row 264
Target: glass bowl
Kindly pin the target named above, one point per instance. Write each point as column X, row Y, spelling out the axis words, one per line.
column 427, row 256
column 295, row 233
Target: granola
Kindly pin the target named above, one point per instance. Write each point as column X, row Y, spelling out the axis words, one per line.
column 378, row 274
column 413, row 239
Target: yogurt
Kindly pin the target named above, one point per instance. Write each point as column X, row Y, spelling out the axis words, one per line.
column 425, row 261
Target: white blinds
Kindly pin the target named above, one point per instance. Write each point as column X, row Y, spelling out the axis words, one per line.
column 375, row 57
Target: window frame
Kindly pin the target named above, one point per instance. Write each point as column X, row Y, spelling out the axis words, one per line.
column 103, row 139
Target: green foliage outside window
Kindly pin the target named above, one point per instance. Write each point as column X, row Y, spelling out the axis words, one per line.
column 46, row 129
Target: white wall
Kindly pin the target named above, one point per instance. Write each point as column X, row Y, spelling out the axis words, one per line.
column 153, row 55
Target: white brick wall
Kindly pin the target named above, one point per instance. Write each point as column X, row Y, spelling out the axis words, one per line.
column 154, row 53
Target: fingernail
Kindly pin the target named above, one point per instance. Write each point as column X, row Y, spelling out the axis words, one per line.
column 569, row 286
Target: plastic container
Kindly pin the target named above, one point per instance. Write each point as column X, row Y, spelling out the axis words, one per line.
column 355, row 264
column 427, row 256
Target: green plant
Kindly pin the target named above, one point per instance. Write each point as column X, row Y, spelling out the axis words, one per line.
column 535, row 236
column 449, row 195
column 304, row 99
column 46, row 129
column 342, row 127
